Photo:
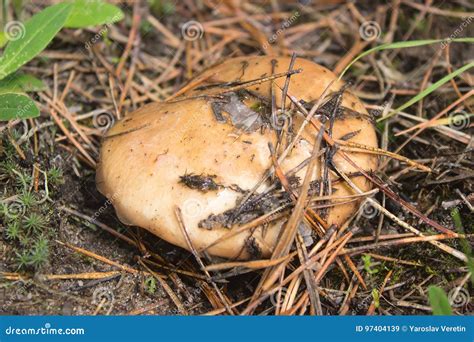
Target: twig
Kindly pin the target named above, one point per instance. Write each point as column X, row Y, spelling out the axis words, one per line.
column 198, row 259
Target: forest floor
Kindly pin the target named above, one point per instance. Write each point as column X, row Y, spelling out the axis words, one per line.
column 63, row 251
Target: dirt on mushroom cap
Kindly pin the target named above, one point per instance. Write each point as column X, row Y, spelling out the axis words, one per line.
column 145, row 156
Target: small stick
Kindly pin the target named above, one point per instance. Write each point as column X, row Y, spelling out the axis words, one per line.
column 330, row 260
column 373, row 179
column 131, row 130
column 273, row 97
column 112, row 95
column 271, row 216
column 167, row 288
column 175, row 270
column 355, row 270
column 405, row 225
column 91, row 275
column 131, row 38
column 16, row 146
column 68, row 85
column 395, row 260
column 311, row 286
column 381, row 237
column 371, row 309
column 254, row 264
column 283, row 136
column 98, row 257
column 139, row 311
column 100, row 225
column 310, row 263
column 241, row 86
column 221, row 310
column 129, row 78
column 63, row 128
column 287, row 81
column 413, row 305
column 423, row 238
column 352, row 146
column 198, row 259
column 188, row 87
column 351, row 292
column 289, row 231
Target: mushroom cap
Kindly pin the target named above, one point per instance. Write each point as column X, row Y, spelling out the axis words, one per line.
column 178, row 154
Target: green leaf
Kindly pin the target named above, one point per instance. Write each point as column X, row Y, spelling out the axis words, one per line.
column 376, row 297
column 39, row 31
column 3, row 39
column 17, row 106
column 20, row 83
column 368, row 264
column 439, row 301
column 150, row 284
column 92, row 13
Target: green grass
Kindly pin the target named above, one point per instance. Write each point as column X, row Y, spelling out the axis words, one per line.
column 34, row 222
column 13, row 230
column 55, row 176
column 414, row 43
column 26, row 221
column 27, row 199
column 402, row 45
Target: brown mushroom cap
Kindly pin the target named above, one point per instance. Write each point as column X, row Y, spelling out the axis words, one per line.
column 146, row 155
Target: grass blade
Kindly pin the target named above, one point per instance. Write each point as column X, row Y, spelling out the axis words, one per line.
column 403, row 45
column 428, row 90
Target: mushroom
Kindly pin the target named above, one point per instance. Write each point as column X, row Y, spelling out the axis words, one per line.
column 205, row 151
